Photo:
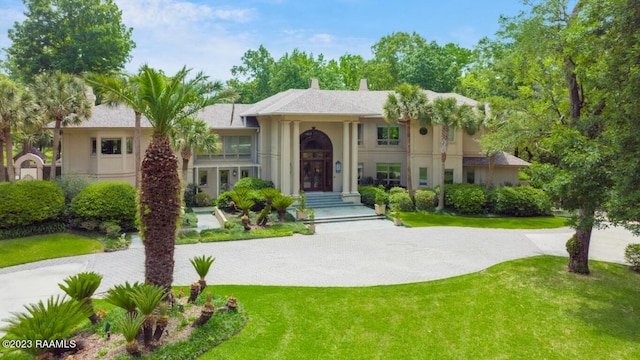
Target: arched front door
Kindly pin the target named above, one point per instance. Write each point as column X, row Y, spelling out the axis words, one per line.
column 316, row 161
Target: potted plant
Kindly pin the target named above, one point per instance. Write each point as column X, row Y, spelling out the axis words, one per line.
column 381, row 202
column 301, row 209
column 312, row 216
column 395, row 214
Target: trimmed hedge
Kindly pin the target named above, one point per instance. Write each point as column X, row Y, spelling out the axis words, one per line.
column 253, row 183
column 519, row 201
column 368, row 194
column 113, row 201
column 49, row 227
column 463, row 198
column 29, row 202
column 425, row 199
column 401, row 201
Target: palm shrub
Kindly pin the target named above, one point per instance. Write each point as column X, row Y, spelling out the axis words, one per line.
column 281, row 203
column 129, row 326
column 243, row 198
column 206, row 313
column 161, row 321
column 122, row 297
column 53, row 320
column 147, row 297
column 81, row 287
column 202, row 264
column 632, row 255
column 269, row 194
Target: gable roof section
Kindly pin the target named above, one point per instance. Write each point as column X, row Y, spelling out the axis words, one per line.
column 333, row 102
column 501, row 159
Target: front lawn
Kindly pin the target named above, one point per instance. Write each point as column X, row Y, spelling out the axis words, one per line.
column 420, row 219
column 41, row 247
column 525, row 309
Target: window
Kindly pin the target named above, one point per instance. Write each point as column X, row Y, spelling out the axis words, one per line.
column 388, row 173
column 471, row 176
column 94, row 145
column 388, row 134
column 423, row 176
column 244, row 173
column 111, row 146
column 129, row 145
column 448, row 176
column 233, row 147
column 360, row 171
column 360, row 134
column 202, row 177
column 452, row 134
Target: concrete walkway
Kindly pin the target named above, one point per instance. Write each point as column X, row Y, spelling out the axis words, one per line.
column 365, row 253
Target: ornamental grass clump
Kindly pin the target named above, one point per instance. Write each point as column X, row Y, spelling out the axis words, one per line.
column 202, row 264
column 81, row 287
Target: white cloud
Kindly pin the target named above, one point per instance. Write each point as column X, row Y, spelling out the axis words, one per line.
column 322, row 38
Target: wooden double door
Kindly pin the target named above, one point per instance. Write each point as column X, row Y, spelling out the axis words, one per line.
column 316, row 161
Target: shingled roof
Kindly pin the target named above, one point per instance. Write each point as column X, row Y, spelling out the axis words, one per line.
column 501, row 159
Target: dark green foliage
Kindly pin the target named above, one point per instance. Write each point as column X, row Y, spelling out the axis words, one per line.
column 129, row 325
column 28, row 202
column 368, row 194
column 81, row 286
column 107, row 201
column 281, row 203
column 224, row 201
column 425, row 199
column 632, row 255
column 397, row 190
column 111, row 229
column 202, row 199
column 253, row 183
column 71, row 186
column 401, row 201
column 202, row 264
column 122, row 296
column 49, row 227
column 147, row 296
column 519, row 201
column 465, row 198
column 190, row 193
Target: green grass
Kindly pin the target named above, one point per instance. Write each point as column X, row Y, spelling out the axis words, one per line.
column 421, row 219
column 41, row 247
column 524, row 309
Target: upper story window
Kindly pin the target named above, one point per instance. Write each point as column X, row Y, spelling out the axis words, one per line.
column 388, row 134
column 360, row 134
column 111, row 146
column 233, row 147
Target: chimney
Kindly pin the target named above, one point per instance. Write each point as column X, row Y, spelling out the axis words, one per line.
column 313, row 84
column 363, row 85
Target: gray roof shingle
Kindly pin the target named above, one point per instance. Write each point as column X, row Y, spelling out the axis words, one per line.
column 501, row 159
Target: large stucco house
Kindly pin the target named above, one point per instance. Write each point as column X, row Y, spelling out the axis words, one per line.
column 301, row 139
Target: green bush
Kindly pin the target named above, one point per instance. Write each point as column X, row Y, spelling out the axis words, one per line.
column 397, row 190
column 106, row 201
column 519, row 201
column 401, row 201
column 190, row 194
column 111, row 228
column 368, row 194
column 49, row 227
column 425, row 199
column 28, row 202
column 632, row 255
column 202, row 199
column 463, row 198
column 253, row 183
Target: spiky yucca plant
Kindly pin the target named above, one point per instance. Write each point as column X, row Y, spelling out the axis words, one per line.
column 81, row 287
column 52, row 320
column 281, row 203
column 122, row 297
column 202, row 264
column 243, row 198
column 147, row 297
column 129, row 326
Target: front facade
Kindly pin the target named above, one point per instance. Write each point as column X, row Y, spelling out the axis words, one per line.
column 303, row 140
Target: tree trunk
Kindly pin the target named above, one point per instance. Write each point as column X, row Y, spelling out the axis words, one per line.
column 56, row 145
column 3, row 177
column 159, row 210
column 444, row 140
column 409, row 179
column 8, row 142
column 185, row 153
column 136, row 147
column 579, row 249
column 492, row 161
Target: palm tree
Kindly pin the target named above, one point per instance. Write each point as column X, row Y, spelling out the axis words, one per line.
column 17, row 110
column 166, row 102
column 408, row 104
column 65, row 100
column 193, row 134
column 122, row 88
column 449, row 115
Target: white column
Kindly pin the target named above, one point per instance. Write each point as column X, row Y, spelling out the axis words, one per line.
column 354, row 157
column 346, row 183
column 295, row 163
column 285, row 158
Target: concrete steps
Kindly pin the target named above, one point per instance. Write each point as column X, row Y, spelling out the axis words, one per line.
column 329, row 208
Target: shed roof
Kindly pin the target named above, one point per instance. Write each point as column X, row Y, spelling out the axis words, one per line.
column 501, row 159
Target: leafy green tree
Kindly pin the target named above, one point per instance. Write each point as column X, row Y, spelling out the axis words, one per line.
column 71, row 36
column 193, row 134
column 252, row 78
column 167, row 101
column 392, row 50
column 434, row 67
column 65, row 100
column 408, row 104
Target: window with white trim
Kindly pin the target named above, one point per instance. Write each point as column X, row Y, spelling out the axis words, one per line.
column 388, row 134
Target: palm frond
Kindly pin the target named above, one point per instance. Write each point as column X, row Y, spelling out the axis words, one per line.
column 147, row 297
column 81, row 286
column 202, row 264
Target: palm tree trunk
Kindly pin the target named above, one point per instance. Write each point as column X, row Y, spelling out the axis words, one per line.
column 409, row 179
column 8, row 142
column 185, row 153
column 159, row 210
column 56, row 145
column 444, row 141
column 136, row 147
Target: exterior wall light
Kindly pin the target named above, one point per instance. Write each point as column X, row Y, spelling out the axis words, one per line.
column 338, row 166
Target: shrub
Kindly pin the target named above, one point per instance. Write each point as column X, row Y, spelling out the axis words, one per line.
column 253, row 183
column 401, row 201
column 48, row 227
column 382, row 198
column 190, row 192
column 465, row 198
column 397, row 190
column 107, row 201
column 369, row 193
column 224, row 201
column 425, row 199
column 202, row 199
column 519, row 201
column 112, row 229
column 632, row 255
column 29, row 202
column 72, row 185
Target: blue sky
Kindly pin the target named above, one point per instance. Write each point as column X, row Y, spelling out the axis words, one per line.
column 213, row 35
